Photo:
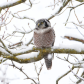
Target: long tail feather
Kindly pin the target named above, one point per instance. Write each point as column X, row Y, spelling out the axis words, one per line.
column 48, row 60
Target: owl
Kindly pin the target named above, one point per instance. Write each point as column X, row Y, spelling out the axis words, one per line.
column 44, row 37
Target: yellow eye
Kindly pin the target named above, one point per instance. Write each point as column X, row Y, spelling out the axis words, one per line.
column 41, row 22
column 38, row 24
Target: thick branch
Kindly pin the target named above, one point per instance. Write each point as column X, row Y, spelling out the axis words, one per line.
column 42, row 53
column 12, row 4
column 50, row 50
column 80, row 0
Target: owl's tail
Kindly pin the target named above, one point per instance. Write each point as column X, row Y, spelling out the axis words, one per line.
column 48, row 60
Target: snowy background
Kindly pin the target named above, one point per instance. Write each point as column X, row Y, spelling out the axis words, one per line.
column 41, row 9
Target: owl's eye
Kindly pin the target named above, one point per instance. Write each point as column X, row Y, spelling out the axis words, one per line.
column 41, row 22
column 38, row 24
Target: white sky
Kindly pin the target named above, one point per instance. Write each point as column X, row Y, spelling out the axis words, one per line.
column 39, row 10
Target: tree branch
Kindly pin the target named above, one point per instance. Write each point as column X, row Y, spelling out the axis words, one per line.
column 76, row 74
column 42, row 53
column 60, row 9
column 4, row 47
column 73, row 38
column 63, row 75
column 50, row 50
column 21, row 70
column 12, row 4
column 71, row 10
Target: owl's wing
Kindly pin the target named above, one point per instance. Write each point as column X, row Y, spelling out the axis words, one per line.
column 48, row 58
column 54, row 37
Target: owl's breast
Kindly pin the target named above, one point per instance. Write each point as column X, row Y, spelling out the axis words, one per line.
column 44, row 39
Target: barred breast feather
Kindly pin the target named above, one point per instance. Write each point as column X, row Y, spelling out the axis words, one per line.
column 44, row 37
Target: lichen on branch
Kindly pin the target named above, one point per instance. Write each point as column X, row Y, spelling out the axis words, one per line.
column 42, row 53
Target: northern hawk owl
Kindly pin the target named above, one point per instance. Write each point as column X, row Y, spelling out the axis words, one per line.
column 44, row 37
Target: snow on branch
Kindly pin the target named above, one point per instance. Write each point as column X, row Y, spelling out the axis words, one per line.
column 36, row 57
column 11, row 4
column 34, row 54
column 73, row 38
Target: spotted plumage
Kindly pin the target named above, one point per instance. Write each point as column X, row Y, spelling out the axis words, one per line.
column 44, row 37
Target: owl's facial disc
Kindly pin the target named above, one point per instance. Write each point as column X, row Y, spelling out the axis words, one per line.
column 42, row 24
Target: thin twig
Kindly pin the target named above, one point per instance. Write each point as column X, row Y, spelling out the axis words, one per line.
column 29, row 41
column 22, row 32
column 71, row 10
column 79, row 31
column 20, row 69
column 24, row 18
column 5, row 47
column 60, row 9
column 38, row 73
column 73, row 38
column 76, row 74
column 63, row 75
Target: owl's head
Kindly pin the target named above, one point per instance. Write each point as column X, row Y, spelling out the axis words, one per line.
column 42, row 24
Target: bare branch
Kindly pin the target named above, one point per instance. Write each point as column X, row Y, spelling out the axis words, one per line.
column 60, row 9
column 71, row 10
column 82, row 75
column 80, row 0
column 76, row 74
column 76, row 6
column 63, row 75
column 30, row 41
column 5, row 47
column 80, row 25
column 22, row 32
column 15, row 45
column 67, row 60
column 38, row 73
column 79, row 31
column 73, row 38
column 23, row 18
column 21, row 70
